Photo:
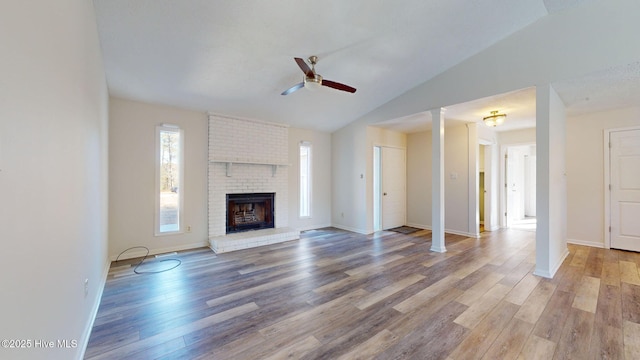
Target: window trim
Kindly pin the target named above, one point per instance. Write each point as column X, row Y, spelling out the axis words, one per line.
column 159, row 129
column 309, row 176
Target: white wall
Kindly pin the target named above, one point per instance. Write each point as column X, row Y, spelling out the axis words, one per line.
column 53, row 174
column 320, row 179
column 349, row 154
column 132, row 159
column 585, row 172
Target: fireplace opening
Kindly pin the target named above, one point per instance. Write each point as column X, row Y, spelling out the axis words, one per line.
column 250, row 212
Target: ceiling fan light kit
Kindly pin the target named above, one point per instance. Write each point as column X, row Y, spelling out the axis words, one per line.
column 312, row 81
column 494, row 119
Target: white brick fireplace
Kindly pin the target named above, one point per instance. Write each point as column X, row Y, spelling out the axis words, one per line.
column 247, row 156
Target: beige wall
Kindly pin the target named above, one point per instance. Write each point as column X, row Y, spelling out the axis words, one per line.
column 517, row 137
column 132, row 176
column 53, row 174
column 352, row 174
column 419, row 160
column 376, row 137
column 585, row 171
column 132, row 154
column 456, row 178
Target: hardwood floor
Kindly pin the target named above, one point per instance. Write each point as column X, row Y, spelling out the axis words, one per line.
column 339, row 295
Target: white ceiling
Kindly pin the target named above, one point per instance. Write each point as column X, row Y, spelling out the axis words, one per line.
column 236, row 57
column 616, row 87
column 520, row 107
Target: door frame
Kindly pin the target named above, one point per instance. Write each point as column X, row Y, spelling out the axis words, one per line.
column 377, row 188
column 378, row 210
column 491, row 180
column 607, row 181
column 504, row 151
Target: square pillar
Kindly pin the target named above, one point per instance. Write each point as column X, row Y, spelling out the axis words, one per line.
column 551, row 194
column 437, row 176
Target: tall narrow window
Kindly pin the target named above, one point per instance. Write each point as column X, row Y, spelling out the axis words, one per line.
column 305, row 179
column 169, row 179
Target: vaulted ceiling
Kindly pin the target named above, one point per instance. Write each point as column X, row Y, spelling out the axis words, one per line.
column 236, row 57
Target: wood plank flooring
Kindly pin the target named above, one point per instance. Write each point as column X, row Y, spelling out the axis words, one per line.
column 339, row 295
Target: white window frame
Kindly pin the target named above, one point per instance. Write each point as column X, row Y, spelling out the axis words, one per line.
column 172, row 128
column 302, row 212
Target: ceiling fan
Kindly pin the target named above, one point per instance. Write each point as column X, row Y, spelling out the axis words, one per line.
column 312, row 80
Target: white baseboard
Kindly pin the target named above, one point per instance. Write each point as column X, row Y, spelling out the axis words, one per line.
column 134, row 253
column 94, row 312
column 419, row 226
column 448, row 231
column 549, row 274
column 586, row 243
column 314, row 227
column 348, row 228
column 462, row 233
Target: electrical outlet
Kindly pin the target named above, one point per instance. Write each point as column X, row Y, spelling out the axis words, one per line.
column 86, row 287
column 188, row 228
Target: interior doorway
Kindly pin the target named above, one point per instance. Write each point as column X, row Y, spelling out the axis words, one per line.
column 389, row 187
column 482, row 191
column 481, row 199
column 488, row 186
column 520, row 187
column 377, row 189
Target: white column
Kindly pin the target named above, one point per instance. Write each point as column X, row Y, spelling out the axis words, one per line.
column 551, row 195
column 437, row 176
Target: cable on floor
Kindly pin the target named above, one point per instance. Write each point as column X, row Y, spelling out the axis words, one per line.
column 135, row 269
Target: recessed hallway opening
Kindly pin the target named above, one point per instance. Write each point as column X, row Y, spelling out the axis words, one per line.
column 520, row 187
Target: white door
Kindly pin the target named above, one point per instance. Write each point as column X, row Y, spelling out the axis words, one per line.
column 393, row 186
column 625, row 189
column 514, row 185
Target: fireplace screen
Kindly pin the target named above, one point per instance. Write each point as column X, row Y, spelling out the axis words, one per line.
column 250, row 211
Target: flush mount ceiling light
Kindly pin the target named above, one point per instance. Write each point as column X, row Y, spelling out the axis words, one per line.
column 494, row 119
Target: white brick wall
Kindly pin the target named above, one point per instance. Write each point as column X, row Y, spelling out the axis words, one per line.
column 247, row 141
column 256, row 145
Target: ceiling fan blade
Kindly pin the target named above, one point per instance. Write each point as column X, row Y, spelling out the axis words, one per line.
column 304, row 67
column 339, row 86
column 292, row 89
